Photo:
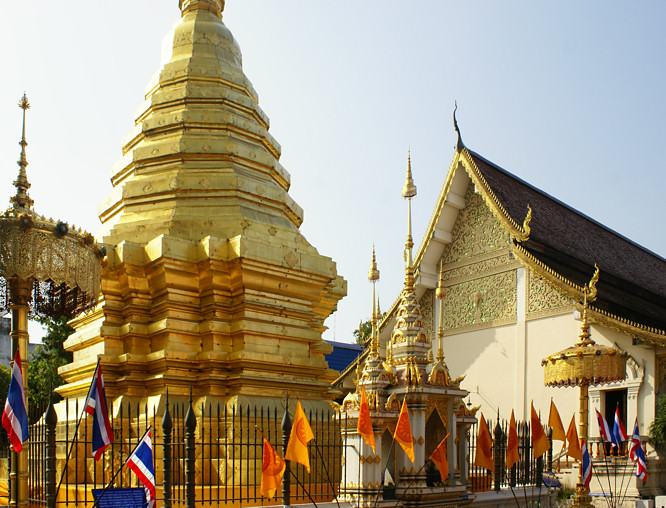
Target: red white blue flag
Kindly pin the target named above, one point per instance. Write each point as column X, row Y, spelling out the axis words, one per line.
column 619, row 433
column 15, row 415
column 586, row 466
column 141, row 462
column 637, row 454
column 96, row 406
column 604, row 430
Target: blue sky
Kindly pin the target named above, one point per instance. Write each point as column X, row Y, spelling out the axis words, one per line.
column 568, row 96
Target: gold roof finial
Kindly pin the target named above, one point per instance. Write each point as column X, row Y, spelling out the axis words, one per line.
column 373, row 276
column 460, row 145
column 408, row 192
column 21, row 200
column 214, row 6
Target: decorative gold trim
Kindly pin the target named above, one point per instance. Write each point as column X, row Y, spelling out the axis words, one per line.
column 516, row 231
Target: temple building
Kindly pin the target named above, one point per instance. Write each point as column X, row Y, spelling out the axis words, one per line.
column 207, row 282
column 514, row 264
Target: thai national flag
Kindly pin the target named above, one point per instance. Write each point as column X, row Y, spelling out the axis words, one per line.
column 604, row 430
column 141, row 462
column 15, row 415
column 586, row 466
column 619, row 433
column 637, row 454
column 96, row 406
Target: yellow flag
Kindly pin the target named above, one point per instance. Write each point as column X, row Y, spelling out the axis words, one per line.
column 403, row 431
column 555, row 423
column 512, row 452
column 440, row 459
column 573, row 444
column 364, row 426
column 301, row 434
column 540, row 443
column 484, row 447
column 272, row 469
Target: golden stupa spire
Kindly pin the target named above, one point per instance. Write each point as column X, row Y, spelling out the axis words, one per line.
column 21, row 200
column 408, row 192
column 440, row 293
column 214, row 6
column 373, row 276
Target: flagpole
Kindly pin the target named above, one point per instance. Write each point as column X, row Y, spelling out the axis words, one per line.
column 74, row 438
column 121, row 466
column 626, row 489
column 409, row 485
column 301, row 485
column 328, row 478
column 381, row 481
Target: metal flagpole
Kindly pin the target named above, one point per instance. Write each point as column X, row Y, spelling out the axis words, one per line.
column 120, row 468
column 74, row 438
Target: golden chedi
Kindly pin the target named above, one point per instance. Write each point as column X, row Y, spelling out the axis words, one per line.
column 208, row 281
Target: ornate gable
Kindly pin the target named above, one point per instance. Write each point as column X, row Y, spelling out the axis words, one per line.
column 479, row 271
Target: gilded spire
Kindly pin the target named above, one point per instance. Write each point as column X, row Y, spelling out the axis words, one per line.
column 440, row 293
column 373, row 276
column 21, row 200
column 408, row 192
column 585, row 327
column 214, row 6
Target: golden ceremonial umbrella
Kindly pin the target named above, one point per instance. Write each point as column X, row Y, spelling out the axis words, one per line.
column 46, row 269
column 584, row 364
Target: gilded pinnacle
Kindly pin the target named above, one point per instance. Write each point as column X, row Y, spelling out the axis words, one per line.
column 373, row 274
column 21, row 200
column 214, row 6
column 409, row 190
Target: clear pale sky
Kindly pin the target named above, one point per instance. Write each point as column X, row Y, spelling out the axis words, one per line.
column 566, row 95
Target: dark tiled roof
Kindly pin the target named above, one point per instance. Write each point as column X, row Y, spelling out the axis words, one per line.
column 632, row 281
column 343, row 354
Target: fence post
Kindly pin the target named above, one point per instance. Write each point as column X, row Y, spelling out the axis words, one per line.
column 549, row 457
column 286, row 480
column 498, row 454
column 167, row 428
column 51, row 420
column 190, row 427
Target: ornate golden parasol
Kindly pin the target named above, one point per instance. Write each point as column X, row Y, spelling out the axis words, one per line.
column 584, row 364
column 46, row 269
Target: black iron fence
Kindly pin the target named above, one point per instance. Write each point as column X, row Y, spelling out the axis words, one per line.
column 527, row 471
column 214, row 455
column 204, row 457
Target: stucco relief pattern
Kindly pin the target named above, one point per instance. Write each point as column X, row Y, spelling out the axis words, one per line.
column 427, row 304
column 481, row 303
column 479, row 272
column 543, row 300
column 476, row 231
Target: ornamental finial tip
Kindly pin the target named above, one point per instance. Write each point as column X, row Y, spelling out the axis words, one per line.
column 21, row 200
column 460, row 145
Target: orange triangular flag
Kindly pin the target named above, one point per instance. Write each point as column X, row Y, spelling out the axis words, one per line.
column 272, row 469
column 403, row 431
column 301, row 434
column 440, row 459
column 573, row 444
column 484, row 447
column 540, row 443
column 555, row 423
column 512, row 452
column 364, row 426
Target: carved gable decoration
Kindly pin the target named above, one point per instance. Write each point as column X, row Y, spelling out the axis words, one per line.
column 476, row 231
column 479, row 272
column 543, row 300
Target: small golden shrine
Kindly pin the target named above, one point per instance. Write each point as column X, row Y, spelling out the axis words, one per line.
column 408, row 373
column 208, row 281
